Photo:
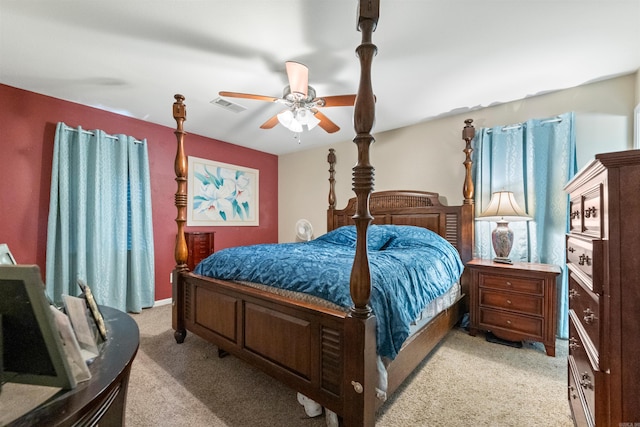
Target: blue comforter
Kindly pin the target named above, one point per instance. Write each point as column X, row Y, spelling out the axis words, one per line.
column 410, row 267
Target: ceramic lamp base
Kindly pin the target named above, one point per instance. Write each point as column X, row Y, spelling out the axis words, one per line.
column 502, row 240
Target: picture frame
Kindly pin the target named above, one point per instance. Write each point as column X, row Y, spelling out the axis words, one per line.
column 222, row 194
column 33, row 350
column 6, row 258
column 94, row 309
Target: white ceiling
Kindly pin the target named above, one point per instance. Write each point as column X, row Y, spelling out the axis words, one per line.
column 435, row 57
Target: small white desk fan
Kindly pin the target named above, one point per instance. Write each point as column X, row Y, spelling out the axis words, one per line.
column 304, row 230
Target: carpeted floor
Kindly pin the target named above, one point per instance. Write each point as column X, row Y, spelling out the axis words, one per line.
column 466, row 381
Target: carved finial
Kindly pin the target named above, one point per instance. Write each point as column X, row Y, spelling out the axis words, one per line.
column 179, row 110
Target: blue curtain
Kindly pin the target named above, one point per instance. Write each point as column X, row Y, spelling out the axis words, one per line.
column 100, row 227
column 534, row 160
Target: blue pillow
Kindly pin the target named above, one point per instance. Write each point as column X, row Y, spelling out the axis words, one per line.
column 377, row 236
column 414, row 237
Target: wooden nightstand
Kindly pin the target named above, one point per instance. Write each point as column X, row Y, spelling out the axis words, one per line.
column 199, row 246
column 514, row 301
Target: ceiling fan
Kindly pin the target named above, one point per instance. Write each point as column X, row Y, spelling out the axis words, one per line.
column 301, row 102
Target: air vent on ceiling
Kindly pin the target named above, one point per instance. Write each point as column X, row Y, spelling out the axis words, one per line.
column 236, row 108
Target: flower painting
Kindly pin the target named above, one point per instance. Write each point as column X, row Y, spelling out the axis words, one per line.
column 221, row 194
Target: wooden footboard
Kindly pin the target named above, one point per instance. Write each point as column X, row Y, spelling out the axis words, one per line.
column 299, row 343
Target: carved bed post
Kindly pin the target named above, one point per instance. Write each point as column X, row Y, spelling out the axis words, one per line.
column 331, row 158
column 468, row 133
column 363, row 172
column 360, row 377
column 468, row 207
column 181, row 251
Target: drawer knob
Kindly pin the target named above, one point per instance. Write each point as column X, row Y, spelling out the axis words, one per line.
column 571, row 249
column 508, row 322
column 584, row 259
column 572, row 390
column 509, row 283
column 590, row 212
column 508, row 301
column 585, row 381
column 573, row 343
column 575, row 214
column 589, row 316
column 573, row 293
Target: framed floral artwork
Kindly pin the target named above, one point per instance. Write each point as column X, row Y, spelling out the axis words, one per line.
column 221, row 194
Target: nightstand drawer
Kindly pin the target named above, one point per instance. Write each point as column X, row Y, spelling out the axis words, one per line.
column 511, row 301
column 512, row 283
column 531, row 327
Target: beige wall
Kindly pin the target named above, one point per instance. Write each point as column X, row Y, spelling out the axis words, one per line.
column 429, row 156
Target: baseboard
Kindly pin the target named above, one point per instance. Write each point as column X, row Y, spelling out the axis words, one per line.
column 162, row 302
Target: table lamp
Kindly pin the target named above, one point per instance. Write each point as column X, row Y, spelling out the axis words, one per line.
column 503, row 209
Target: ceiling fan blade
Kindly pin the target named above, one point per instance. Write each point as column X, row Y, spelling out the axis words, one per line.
column 325, row 122
column 269, row 124
column 337, row 100
column 248, row 96
column 298, row 75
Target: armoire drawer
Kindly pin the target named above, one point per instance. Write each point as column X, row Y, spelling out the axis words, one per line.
column 580, row 349
column 512, row 301
column 585, row 259
column 581, row 413
column 580, row 254
column 592, row 211
column 575, row 214
column 586, row 306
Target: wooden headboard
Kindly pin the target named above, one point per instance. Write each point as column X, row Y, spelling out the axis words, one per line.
column 418, row 208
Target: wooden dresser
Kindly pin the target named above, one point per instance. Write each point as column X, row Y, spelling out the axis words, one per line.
column 514, row 301
column 603, row 258
column 200, row 246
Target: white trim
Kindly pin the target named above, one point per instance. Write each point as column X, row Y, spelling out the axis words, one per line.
column 163, row 302
column 636, row 127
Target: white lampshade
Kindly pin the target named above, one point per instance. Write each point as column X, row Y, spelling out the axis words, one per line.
column 503, row 207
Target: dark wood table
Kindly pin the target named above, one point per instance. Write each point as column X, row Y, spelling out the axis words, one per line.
column 102, row 399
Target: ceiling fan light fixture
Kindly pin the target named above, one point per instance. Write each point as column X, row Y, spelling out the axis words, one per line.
column 307, row 118
column 288, row 120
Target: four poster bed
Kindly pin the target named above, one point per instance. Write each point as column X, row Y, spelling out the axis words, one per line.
column 327, row 352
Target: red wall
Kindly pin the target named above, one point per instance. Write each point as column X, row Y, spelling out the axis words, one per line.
column 27, row 128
